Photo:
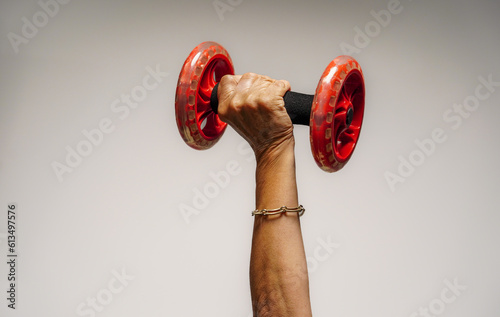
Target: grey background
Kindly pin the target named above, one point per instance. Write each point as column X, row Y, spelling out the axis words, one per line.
column 120, row 209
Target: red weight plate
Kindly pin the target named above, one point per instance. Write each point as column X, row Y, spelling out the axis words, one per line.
column 337, row 113
column 198, row 125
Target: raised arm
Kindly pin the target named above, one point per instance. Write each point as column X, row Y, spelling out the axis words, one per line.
column 253, row 105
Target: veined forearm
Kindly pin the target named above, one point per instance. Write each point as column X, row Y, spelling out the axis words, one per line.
column 278, row 272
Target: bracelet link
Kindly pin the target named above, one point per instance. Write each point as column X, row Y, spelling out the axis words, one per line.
column 283, row 209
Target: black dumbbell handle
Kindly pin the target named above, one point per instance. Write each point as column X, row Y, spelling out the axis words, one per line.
column 297, row 105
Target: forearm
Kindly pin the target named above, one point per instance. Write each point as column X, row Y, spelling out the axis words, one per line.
column 278, row 270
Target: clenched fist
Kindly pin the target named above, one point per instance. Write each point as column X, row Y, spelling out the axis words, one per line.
column 253, row 105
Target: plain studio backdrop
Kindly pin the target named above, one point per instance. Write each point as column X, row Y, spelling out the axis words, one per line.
column 116, row 216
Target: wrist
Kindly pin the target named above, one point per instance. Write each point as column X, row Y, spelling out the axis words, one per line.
column 277, row 153
column 275, row 177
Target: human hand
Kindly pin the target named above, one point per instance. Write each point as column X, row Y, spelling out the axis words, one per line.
column 253, row 105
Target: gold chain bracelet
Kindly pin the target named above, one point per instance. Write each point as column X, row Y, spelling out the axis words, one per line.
column 268, row 212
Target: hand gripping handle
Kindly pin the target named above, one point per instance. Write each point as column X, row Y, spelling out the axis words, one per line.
column 297, row 105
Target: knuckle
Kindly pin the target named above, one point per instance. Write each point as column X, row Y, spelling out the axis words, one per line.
column 249, row 75
column 237, row 103
column 226, row 78
column 285, row 84
column 226, row 82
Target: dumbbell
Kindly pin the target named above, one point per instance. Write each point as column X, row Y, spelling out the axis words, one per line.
column 334, row 113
